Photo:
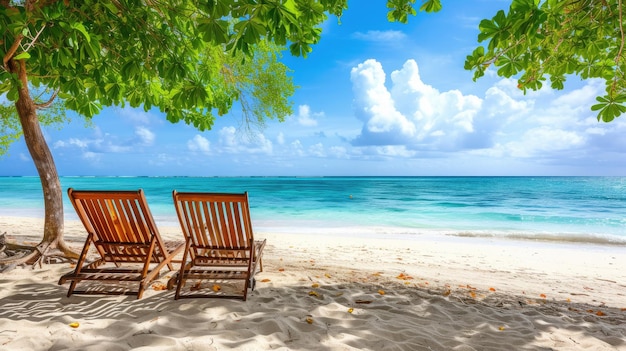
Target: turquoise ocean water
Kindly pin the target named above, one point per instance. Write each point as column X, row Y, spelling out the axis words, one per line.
column 580, row 209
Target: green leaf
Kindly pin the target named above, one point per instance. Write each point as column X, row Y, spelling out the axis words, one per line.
column 22, row 56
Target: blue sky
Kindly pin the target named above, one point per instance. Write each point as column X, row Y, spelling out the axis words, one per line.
column 374, row 98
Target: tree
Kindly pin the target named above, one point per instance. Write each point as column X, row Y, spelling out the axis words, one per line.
column 556, row 39
column 188, row 58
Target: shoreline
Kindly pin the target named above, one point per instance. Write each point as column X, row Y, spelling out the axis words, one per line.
column 438, row 293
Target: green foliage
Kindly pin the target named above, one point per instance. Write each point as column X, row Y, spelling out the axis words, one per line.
column 189, row 59
column 556, row 39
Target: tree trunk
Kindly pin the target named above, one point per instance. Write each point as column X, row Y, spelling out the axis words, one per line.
column 42, row 157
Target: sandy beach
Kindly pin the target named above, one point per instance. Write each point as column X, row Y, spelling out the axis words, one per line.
column 334, row 292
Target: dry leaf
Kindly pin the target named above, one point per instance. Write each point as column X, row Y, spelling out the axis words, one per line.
column 309, row 320
column 382, row 292
column 265, row 280
column 600, row 313
column 403, row 276
column 543, row 296
column 313, row 293
column 364, row 302
column 196, row 286
column 327, row 275
column 492, row 289
column 350, row 310
column 159, row 286
column 447, row 292
column 281, row 269
column 472, row 294
column 74, row 324
column 315, row 285
column 501, row 328
column 216, row 288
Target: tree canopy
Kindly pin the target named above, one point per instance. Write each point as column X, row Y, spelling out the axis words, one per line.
column 553, row 40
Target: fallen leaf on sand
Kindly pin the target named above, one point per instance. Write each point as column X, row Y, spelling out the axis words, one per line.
column 309, row 320
column 265, row 280
column 447, row 292
column 159, row 286
column 196, row 286
column 501, row 328
column 327, row 275
column 381, row 292
column 74, row 324
column 364, row 302
column 281, row 269
column 313, row 293
column 403, row 276
column 350, row 310
column 600, row 313
column 315, row 285
column 492, row 289
column 543, row 296
column 216, row 288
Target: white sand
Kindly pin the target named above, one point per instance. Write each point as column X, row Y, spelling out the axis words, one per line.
column 440, row 293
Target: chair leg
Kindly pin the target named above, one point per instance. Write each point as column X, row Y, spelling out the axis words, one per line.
column 71, row 289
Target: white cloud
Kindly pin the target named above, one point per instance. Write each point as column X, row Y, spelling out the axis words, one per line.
column 317, row 150
column 199, row 144
column 280, row 139
column 306, row 118
column 134, row 114
column 145, row 135
column 230, row 141
column 412, row 112
column 380, row 36
column 411, row 118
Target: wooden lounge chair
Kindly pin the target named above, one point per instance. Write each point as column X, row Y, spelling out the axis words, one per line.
column 220, row 245
column 120, row 226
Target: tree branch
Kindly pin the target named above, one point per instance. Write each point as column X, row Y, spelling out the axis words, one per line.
column 47, row 103
column 11, row 51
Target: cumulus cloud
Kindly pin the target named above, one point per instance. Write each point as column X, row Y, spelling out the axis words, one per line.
column 306, row 118
column 199, row 144
column 406, row 117
column 412, row 113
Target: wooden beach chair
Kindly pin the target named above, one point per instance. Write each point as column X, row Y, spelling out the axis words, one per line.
column 220, row 246
column 120, row 227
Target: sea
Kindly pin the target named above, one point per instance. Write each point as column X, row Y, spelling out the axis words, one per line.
column 567, row 209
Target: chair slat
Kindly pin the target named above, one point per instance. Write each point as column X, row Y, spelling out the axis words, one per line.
column 218, row 231
column 120, row 225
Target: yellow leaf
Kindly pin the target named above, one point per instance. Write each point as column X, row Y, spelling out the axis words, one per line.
column 350, row 310
column 543, row 296
column 447, row 292
column 309, row 320
column 315, row 285
column 74, row 324
column 265, row 280
column 382, row 292
column 313, row 293
column 501, row 328
column 327, row 275
column 216, row 288
column 159, row 286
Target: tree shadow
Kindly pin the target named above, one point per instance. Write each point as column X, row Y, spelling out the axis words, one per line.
column 303, row 316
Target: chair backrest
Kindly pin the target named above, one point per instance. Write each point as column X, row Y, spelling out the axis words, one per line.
column 120, row 223
column 216, row 221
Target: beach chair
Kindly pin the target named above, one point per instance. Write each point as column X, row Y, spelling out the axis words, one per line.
column 220, row 246
column 129, row 248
